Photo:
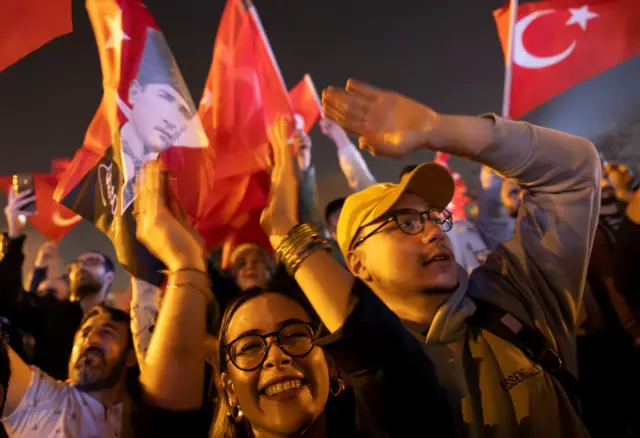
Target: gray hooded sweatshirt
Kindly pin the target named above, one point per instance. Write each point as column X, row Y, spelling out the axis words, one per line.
column 538, row 276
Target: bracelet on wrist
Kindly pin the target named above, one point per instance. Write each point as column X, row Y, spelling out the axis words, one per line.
column 192, row 278
column 300, row 242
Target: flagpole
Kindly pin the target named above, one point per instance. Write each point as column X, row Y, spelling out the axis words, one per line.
column 314, row 91
column 254, row 14
column 508, row 70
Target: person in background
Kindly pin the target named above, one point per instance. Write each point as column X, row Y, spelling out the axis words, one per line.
column 626, row 275
column 41, row 266
column 92, row 402
column 494, row 221
column 503, row 340
column 353, row 166
column 57, row 287
column 331, row 216
column 50, row 321
column 611, row 406
column 251, row 266
column 306, row 173
column 11, row 244
column 511, row 195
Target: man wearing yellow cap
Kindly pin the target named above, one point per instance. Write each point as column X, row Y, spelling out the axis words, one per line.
column 502, row 342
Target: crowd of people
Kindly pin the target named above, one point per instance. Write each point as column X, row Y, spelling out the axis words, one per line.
column 388, row 316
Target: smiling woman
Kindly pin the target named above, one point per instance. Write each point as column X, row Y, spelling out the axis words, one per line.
column 273, row 379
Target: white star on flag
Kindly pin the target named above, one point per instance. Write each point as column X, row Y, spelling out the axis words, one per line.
column 117, row 35
column 581, row 16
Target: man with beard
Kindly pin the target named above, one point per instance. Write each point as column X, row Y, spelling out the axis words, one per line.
column 91, row 403
column 90, row 277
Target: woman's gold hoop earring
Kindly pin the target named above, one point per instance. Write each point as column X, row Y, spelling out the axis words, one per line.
column 336, row 386
column 235, row 414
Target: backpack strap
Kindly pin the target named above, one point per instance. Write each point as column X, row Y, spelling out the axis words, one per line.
column 530, row 341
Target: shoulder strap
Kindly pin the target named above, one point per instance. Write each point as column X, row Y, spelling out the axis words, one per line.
column 530, row 341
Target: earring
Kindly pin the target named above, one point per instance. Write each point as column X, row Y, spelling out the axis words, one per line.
column 336, row 386
column 235, row 414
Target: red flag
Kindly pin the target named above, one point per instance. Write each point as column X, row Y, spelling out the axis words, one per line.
column 460, row 200
column 146, row 108
column 27, row 25
column 53, row 220
column 558, row 44
column 243, row 94
column 306, row 103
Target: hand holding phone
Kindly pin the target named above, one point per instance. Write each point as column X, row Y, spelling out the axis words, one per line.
column 24, row 183
column 22, row 203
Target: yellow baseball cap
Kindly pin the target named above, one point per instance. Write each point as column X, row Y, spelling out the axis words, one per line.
column 430, row 181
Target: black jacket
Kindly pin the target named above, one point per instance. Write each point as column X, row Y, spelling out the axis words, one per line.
column 52, row 323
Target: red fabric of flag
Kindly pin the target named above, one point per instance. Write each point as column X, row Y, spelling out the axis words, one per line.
column 27, row 25
column 52, row 220
column 558, row 44
column 224, row 185
column 460, row 200
column 306, row 103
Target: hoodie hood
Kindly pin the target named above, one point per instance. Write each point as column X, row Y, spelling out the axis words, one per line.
column 448, row 324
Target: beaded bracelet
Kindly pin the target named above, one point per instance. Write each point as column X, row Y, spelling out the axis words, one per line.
column 301, row 241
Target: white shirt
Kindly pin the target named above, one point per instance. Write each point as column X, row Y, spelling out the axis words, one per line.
column 50, row 408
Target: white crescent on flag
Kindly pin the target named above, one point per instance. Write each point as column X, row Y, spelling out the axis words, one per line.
column 64, row 222
column 522, row 57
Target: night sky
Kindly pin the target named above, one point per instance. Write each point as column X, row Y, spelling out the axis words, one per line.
column 443, row 53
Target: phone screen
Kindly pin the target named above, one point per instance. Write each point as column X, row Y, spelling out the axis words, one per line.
column 22, row 183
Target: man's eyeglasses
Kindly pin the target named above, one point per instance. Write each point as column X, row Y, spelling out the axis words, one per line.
column 90, row 262
column 248, row 352
column 412, row 222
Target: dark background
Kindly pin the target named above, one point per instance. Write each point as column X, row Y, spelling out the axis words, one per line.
column 444, row 53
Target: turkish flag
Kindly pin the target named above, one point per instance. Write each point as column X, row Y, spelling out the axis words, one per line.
column 27, row 25
column 460, row 200
column 306, row 103
column 221, row 187
column 146, row 108
column 558, row 44
column 53, row 220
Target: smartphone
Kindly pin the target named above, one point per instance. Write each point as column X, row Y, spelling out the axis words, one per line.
column 22, row 183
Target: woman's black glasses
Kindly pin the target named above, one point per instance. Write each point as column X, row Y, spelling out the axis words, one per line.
column 248, row 352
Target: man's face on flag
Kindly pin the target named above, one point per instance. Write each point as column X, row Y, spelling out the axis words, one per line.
column 159, row 114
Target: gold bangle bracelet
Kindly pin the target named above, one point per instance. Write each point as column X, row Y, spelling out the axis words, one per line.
column 300, row 243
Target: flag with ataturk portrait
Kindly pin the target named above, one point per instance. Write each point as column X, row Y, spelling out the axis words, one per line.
column 146, row 108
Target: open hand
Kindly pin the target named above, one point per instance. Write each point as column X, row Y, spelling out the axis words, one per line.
column 388, row 123
column 161, row 224
column 281, row 213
